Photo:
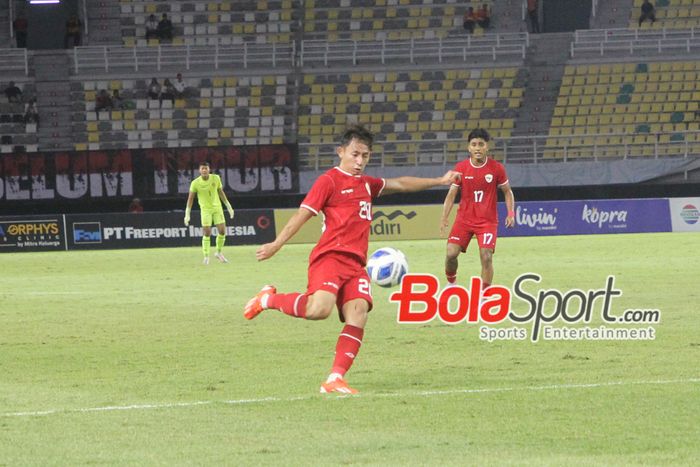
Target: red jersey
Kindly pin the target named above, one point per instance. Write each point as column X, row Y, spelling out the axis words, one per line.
column 346, row 203
column 479, row 186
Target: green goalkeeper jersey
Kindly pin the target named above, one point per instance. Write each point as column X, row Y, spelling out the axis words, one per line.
column 207, row 192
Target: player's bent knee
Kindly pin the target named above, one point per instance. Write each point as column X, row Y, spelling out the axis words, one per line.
column 356, row 317
column 453, row 251
column 318, row 312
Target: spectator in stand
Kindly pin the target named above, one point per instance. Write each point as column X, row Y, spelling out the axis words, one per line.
column 179, row 87
column 483, row 16
column 648, row 12
column 168, row 91
column 117, row 102
column 73, row 37
column 13, row 93
column 135, row 206
column 31, row 114
column 154, row 89
column 20, row 25
column 165, row 28
column 152, row 27
column 534, row 15
column 469, row 20
column 103, row 101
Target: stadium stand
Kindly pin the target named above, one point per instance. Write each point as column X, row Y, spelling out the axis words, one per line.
column 217, row 111
column 377, row 20
column 656, row 102
column 670, row 14
column 201, row 22
column 290, row 71
column 15, row 134
column 415, row 113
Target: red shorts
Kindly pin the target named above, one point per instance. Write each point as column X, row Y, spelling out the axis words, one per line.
column 462, row 233
column 342, row 275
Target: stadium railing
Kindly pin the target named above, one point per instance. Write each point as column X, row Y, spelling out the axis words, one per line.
column 491, row 47
column 311, row 53
column 517, row 149
column 634, row 41
column 181, row 57
column 14, row 61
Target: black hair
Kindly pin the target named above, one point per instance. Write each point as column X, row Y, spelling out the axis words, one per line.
column 479, row 133
column 205, row 163
column 359, row 133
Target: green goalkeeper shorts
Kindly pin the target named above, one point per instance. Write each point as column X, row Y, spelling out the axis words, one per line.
column 214, row 217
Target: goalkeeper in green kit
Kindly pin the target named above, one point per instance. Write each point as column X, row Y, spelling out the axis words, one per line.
column 210, row 195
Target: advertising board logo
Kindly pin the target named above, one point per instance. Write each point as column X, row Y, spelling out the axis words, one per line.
column 540, row 220
column 392, row 215
column 87, row 232
column 386, row 226
column 600, row 217
column 30, row 233
column 690, row 214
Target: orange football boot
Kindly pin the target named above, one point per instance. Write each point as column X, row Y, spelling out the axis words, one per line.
column 339, row 385
column 254, row 306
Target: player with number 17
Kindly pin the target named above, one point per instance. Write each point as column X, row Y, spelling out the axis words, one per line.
column 477, row 216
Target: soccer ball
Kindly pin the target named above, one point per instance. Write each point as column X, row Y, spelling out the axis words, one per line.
column 387, row 266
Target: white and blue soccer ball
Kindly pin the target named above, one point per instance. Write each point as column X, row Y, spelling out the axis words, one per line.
column 387, row 266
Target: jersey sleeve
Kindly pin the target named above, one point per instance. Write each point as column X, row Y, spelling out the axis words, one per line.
column 376, row 186
column 502, row 178
column 192, row 188
column 320, row 192
column 459, row 168
column 218, row 182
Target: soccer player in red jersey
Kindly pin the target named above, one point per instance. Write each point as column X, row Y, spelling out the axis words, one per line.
column 481, row 176
column 337, row 274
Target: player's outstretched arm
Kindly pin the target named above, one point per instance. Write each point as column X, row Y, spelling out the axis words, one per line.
column 447, row 208
column 510, row 204
column 406, row 184
column 292, row 227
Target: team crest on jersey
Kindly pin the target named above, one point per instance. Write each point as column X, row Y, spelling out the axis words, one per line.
column 489, row 178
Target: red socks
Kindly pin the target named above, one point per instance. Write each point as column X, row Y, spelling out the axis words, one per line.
column 451, row 277
column 347, row 348
column 349, row 341
column 292, row 304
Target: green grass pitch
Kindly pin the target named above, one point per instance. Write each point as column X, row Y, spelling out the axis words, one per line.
column 142, row 357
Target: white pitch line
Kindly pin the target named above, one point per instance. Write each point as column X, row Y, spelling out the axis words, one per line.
column 446, row 392
column 71, row 292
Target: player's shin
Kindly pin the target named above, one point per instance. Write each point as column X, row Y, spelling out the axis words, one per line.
column 206, row 245
column 220, row 240
column 292, row 304
column 346, row 349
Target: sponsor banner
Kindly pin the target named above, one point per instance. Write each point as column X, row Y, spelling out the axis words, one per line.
column 156, row 230
column 310, row 232
column 388, row 223
column 407, row 222
column 145, row 173
column 685, row 214
column 32, row 233
column 587, row 217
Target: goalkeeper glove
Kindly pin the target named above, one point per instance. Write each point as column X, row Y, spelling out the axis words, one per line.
column 187, row 216
column 230, row 209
